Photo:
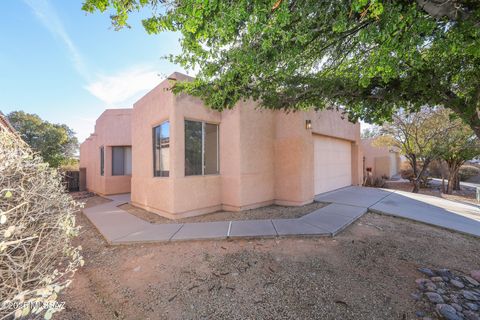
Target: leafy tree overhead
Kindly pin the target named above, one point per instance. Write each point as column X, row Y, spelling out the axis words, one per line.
column 56, row 143
column 370, row 56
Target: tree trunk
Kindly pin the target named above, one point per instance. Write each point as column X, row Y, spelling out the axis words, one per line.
column 416, row 183
column 453, row 180
column 418, row 178
column 456, row 180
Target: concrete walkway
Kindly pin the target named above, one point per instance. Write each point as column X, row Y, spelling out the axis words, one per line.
column 120, row 227
column 456, row 216
column 346, row 205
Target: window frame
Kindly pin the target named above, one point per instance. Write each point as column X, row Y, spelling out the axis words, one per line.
column 102, row 161
column 203, row 148
column 124, row 174
column 154, row 158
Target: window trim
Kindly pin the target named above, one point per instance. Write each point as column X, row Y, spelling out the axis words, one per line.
column 154, row 158
column 203, row 122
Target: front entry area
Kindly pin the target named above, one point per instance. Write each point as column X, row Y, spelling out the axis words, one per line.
column 332, row 163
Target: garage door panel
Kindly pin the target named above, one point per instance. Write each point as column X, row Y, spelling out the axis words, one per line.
column 332, row 166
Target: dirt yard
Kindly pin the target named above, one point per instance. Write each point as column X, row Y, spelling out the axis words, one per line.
column 366, row 272
column 465, row 195
column 268, row 212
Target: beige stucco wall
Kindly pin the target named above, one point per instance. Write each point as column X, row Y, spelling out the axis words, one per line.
column 382, row 160
column 112, row 128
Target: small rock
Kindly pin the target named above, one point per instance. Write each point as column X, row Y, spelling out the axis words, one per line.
column 447, row 311
column 136, row 269
column 457, row 307
column 434, row 297
column 472, row 281
column 444, row 273
column 426, row 271
column 469, row 295
column 440, row 291
column 454, row 298
column 430, row 287
column 445, row 278
column 470, row 315
column 415, row 296
column 475, row 275
column 436, row 279
column 420, row 314
column 421, row 283
column 457, row 284
column 472, row 306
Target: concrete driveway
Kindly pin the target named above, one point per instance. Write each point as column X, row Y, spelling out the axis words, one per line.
column 435, row 211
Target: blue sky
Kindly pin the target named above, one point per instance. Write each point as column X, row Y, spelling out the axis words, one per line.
column 68, row 66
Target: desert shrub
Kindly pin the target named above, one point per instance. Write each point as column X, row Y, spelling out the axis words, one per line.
column 437, row 168
column 407, row 174
column 468, row 171
column 379, row 182
column 37, row 223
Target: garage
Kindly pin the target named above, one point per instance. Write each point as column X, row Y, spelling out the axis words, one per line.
column 332, row 163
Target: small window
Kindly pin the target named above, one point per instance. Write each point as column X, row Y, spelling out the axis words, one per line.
column 121, row 161
column 161, row 150
column 102, row 160
column 201, row 148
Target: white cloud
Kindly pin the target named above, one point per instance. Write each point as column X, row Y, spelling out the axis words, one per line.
column 48, row 16
column 124, row 85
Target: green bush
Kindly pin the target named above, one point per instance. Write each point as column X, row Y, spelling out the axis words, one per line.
column 468, row 171
column 37, row 223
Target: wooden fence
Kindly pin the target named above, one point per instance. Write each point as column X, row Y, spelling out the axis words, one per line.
column 71, row 180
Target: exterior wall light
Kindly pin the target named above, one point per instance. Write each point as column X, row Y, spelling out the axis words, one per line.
column 308, row 124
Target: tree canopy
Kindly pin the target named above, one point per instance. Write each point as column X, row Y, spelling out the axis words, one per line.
column 369, row 56
column 55, row 143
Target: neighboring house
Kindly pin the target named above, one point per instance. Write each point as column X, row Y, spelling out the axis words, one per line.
column 5, row 124
column 190, row 160
column 106, row 156
column 380, row 161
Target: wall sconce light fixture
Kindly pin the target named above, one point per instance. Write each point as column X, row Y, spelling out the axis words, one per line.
column 308, row 124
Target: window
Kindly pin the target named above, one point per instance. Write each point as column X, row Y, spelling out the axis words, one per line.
column 102, row 162
column 201, row 148
column 121, row 161
column 161, row 150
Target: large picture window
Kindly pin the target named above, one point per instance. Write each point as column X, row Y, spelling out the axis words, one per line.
column 201, row 148
column 121, row 161
column 102, row 160
column 161, row 150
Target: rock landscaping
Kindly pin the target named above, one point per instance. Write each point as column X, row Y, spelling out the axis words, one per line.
column 448, row 295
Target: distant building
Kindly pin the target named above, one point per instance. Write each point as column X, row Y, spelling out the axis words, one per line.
column 380, row 161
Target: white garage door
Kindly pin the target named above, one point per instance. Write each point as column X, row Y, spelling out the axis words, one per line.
column 333, row 163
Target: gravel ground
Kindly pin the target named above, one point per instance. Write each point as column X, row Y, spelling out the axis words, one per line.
column 366, row 272
column 269, row 212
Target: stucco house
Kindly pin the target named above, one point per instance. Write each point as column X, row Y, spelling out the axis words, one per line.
column 189, row 160
column 380, row 161
column 106, row 156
